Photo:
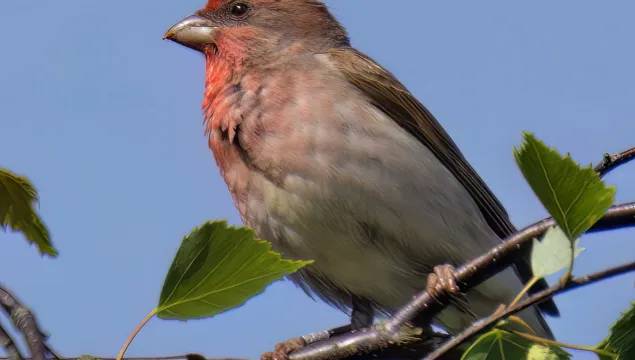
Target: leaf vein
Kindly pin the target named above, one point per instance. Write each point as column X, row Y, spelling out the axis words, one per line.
column 551, row 188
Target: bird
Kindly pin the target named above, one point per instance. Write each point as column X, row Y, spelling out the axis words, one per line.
column 329, row 157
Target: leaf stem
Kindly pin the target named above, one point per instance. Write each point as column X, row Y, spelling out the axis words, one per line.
column 569, row 274
column 559, row 288
column 562, row 344
column 530, row 283
column 519, row 321
column 135, row 332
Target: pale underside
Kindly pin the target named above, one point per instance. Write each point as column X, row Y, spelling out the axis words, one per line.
column 335, row 180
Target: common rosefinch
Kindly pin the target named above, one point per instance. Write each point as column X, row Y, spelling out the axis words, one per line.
column 328, row 156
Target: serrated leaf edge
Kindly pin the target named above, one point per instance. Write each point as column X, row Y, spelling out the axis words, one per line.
column 249, row 231
column 526, row 146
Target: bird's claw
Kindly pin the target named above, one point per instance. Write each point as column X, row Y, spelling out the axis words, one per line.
column 442, row 280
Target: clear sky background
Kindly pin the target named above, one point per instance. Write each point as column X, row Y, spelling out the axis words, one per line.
column 105, row 118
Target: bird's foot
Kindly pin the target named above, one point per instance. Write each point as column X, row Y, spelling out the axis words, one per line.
column 442, row 280
column 282, row 349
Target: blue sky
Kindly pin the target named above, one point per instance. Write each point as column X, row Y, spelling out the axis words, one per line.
column 104, row 117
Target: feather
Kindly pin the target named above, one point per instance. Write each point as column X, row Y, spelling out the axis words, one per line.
column 389, row 95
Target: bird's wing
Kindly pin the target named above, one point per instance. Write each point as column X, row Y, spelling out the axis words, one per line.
column 389, row 95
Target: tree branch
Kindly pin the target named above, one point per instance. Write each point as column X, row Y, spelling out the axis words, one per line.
column 491, row 320
column 9, row 345
column 390, row 339
column 468, row 276
column 485, row 266
column 489, row 264
column 24, row 320
column 611, row 162
column 409, row 343
column 472, row 273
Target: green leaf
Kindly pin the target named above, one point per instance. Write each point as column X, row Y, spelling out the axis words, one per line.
column 621, row 339
column 607, row 356
column 552, row 253
column 544, row 352
column 18, row 198
column 574, row 196
column 218, row 268
column 502, row 345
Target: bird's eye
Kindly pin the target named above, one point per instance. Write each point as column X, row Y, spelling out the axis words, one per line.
column 239, row 9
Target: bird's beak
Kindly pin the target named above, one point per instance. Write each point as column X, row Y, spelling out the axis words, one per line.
column 194, row 31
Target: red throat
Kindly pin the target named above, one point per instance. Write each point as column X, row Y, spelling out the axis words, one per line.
column 218, row 74
column 223, row 65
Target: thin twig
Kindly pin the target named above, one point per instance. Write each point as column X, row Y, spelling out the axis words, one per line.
column 24, row 320
column 9, row 345
column 476, row 271
column 385, row 338
column 376, row 343
column 485, row 266
column 423, row 344
column 468, row 276
column 611, row 162
column 559, row 288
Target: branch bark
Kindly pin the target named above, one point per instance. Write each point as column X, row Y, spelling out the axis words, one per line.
column 25, row 321
column 9, row 345
column 468, row 276
column 392, row 338
column 560, row 288
column 471, row 274
column 491, row 263
column 612, row 162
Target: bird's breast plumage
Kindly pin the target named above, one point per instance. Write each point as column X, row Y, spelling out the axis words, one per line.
column 324, row 175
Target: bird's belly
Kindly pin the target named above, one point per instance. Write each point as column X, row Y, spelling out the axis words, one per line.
column 382, row 263
column 374, row 208
column 369, row 203
column 339, row 182
column 351, row 255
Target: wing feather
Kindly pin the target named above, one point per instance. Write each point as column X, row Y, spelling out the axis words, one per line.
column 390, row 96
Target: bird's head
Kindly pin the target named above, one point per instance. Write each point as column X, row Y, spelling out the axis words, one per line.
column 253, row 29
